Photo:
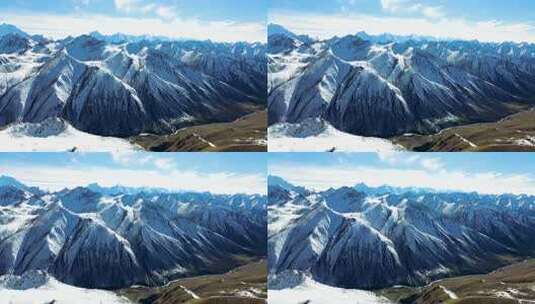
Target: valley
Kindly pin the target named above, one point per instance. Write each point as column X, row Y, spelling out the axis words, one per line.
column 513, row 284
column 246, row 134
column 513, row 133
column 243, row 285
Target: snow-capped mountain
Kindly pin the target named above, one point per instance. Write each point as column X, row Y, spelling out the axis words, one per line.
column 118, row 190
column 337, row 236
column 7, row 29
column 276, row 29
column 94, row 240
column 119, row 38
column 386, row 85
column 122, row 88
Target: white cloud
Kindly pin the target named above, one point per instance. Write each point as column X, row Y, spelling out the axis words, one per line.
column 432, row 11
column 140, row 6
column 322, row 178
column 327, row 26
column 127, row 5
column 393, row 5
column 432, row 164
column 131, row 158
column 60, row 26
column 412, row 6
column 82, row 2
column 164, row 163
column 56, row 178
column 411, row 160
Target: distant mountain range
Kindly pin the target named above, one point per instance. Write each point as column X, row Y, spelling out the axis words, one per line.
column 94, row 237
column 121, row 85
column 389, row 85
column 406, row 236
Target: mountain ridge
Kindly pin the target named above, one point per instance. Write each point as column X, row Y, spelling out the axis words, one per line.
column 157, row 86
column 337, row 235
column 93, row 240
column 381, row 89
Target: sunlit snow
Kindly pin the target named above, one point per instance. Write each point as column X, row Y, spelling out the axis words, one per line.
column 319, row 136
column 38, row 288
column 315, row 293
column 54, row 136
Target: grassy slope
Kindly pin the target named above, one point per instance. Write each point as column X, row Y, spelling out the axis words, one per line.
column 498, row 136
column 212, row 289
column 508, row 284
column 246, row 134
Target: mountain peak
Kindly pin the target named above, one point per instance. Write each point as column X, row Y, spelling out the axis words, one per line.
column 6, row 29
column 277, row 29
column 10, row 181
column 274, row 29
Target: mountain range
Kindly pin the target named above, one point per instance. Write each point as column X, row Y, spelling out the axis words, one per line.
column 379, row 238
column 387, row 85
column 95, row 237
column 122, row 86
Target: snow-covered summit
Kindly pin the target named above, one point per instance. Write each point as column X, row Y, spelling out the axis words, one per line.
column 6, row 29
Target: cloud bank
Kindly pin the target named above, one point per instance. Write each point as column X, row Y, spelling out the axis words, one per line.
column 136, row 170
column 431, row 23
column 404, row 170
column 60, row 26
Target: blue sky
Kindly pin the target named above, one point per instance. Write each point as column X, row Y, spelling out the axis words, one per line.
column 221, row 20
column 214, row 172
column 486, row 20
column 481, row 172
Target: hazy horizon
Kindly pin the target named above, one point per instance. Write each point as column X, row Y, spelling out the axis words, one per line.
column 485, row 21
column 216, row 173
column 492, row 173
column 196, row 20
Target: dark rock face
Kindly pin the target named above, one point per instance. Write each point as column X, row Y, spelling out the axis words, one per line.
column 386, row 89
column 350, row 239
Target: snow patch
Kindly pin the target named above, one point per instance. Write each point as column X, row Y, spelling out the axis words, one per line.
column 316, row 135
column 450, row 293
column 55, row 135
column 37, row 287
column 312, row 292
